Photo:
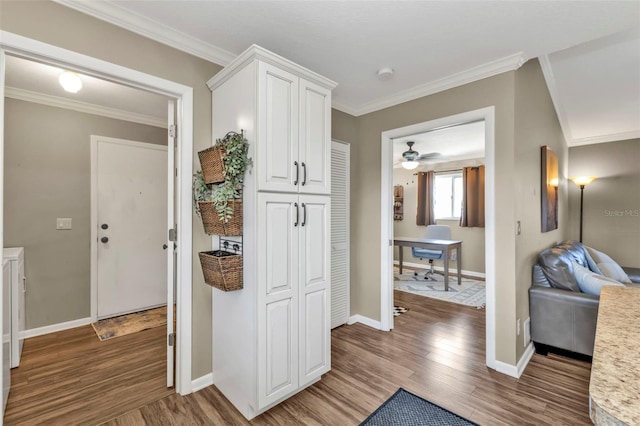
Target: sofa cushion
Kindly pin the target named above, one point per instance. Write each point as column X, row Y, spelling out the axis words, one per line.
column 590, row 282
column 632, row 273
column 557, row 264
column 607, row 266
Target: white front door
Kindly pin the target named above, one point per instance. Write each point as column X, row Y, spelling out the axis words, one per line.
column 131, row 192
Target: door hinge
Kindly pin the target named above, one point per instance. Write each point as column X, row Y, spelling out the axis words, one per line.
column 171, row 339
column 172, row 131
column 173, row 234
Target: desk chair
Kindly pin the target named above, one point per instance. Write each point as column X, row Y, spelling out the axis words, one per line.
column 437, row 232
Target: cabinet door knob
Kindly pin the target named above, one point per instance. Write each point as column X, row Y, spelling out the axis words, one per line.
column 104, row 226
column 304, row 174
column 104, row 240
column 297, row 214
column 295, row 163
column 304, row 214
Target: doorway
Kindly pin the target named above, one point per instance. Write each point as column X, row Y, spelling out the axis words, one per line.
column 386, row 256
column 44, row 53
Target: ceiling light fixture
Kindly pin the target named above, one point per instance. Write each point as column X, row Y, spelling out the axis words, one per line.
column 70, row 81
column 385, row 73
column 410, row 165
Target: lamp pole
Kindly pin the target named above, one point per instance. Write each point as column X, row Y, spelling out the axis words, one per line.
column 581, row 204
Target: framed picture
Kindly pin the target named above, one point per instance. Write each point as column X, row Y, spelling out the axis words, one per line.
column 549, row 189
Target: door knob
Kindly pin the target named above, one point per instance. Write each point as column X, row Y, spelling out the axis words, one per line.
column 164, row 246
column 104, row 226
column 104, row 239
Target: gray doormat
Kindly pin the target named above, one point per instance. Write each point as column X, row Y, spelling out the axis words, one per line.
column 406, row 409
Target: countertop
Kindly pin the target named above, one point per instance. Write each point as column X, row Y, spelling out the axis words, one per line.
column 614, row 389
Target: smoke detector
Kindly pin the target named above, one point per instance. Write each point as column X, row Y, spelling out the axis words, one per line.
column 385, row 73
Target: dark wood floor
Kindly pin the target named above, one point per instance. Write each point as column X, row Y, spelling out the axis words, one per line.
column 436, row 350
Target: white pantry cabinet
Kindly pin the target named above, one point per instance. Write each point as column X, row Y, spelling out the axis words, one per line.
column 272, row 338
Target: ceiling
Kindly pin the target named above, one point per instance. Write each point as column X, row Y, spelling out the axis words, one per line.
column 589, row 50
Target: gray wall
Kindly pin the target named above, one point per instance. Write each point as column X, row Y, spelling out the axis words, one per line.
column 473, row 238
column 47, row 175
column 611, row 220
column 60, row 26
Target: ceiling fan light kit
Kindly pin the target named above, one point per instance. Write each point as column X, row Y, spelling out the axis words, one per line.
column 410, row 165
column 412, row 157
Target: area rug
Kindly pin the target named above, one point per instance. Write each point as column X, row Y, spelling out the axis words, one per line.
column 406, row 409
column 470, row 292
column 398, row 310
column 131, row 323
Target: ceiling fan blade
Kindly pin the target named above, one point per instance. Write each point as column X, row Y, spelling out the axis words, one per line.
column 429, row 156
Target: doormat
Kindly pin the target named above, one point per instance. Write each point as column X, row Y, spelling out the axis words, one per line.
column 406, row 409
column 470, row 292
column 122, row 325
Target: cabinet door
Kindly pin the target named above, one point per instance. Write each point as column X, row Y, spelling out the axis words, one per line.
column 277, row 322
column 315, row 139
column 278, row 167
column 315, row 324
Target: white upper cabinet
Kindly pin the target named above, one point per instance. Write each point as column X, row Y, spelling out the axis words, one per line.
column 295, row 122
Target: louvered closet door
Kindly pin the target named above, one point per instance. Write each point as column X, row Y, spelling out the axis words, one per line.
column 340, row 155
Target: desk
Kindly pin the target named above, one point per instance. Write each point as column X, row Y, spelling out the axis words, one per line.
column 446, row 245
column 615, row 371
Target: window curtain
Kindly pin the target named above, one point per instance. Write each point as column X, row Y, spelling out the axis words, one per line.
column 425, row 215
column 472, row 197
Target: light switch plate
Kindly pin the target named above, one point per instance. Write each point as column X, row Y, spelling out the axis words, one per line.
column 63, row 223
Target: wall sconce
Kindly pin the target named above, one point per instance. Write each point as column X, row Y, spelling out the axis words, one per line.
column 582, row 181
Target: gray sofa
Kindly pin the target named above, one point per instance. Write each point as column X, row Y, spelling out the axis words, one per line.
column 561, row 315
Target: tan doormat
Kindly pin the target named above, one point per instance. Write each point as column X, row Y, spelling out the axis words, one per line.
column 131, row 323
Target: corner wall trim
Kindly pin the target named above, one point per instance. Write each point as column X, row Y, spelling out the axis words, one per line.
column 202, row 382
column 364, row 320
column 53, row 328
column 516, row 370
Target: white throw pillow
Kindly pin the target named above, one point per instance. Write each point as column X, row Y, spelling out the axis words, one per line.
column 608, row 266
column 590, row 282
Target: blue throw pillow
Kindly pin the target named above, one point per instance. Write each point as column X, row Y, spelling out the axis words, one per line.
column 590, row 282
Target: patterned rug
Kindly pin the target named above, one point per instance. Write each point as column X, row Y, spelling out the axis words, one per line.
column 406, row 409
column 470, row 292
column 397, row 310
column 131, row 323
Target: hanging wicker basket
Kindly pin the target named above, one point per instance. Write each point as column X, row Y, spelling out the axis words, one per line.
column 222, row 269
column 212, row 223
column 212, row 164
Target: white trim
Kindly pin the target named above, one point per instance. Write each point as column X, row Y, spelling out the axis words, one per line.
column 54, row 328
column 364, row 320
column 202, row 382
column 499, row 66
column 386, row 220
column 516, row 370
column 146, row 27
column 47, row 53
column 612, row 137
column 93, row 210
column 441, row 268
column 74, row 105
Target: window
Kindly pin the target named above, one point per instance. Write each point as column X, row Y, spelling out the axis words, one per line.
column 447, row 195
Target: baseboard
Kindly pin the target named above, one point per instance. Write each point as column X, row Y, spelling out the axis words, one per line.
column 33, row 332
column 202, row 382
column 441, row 268
column 364, row 320
column 516, row 370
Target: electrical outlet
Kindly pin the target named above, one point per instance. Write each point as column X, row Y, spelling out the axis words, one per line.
column 518, row 229
column 63, row 223
column 518, row 327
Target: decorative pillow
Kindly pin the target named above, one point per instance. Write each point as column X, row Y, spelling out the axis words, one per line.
column 591, row 263
column 608, row 266
column 590, row 282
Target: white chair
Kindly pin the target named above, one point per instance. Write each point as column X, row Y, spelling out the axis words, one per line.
column 433, row 232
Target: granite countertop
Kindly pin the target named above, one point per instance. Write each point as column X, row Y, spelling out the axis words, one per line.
column 614, row 389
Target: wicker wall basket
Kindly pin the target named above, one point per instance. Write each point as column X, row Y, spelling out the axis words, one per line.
column 214, row 226
column 222, row 269
column 212, row 164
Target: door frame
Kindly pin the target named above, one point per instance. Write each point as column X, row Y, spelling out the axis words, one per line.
column 386, row 220
column 56, row 56
column 94, row 209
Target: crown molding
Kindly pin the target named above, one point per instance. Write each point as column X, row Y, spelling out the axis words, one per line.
column 499, row 66
column 55, row 101
column 107, row 11
column 612, row 137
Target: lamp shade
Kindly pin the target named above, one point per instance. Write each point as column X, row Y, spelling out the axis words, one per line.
column 410, row 165
column 583, row 180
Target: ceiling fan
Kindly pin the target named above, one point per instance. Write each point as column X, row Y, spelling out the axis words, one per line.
column 412, row 158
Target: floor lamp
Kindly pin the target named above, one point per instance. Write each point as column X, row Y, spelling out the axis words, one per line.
column 582, row 181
